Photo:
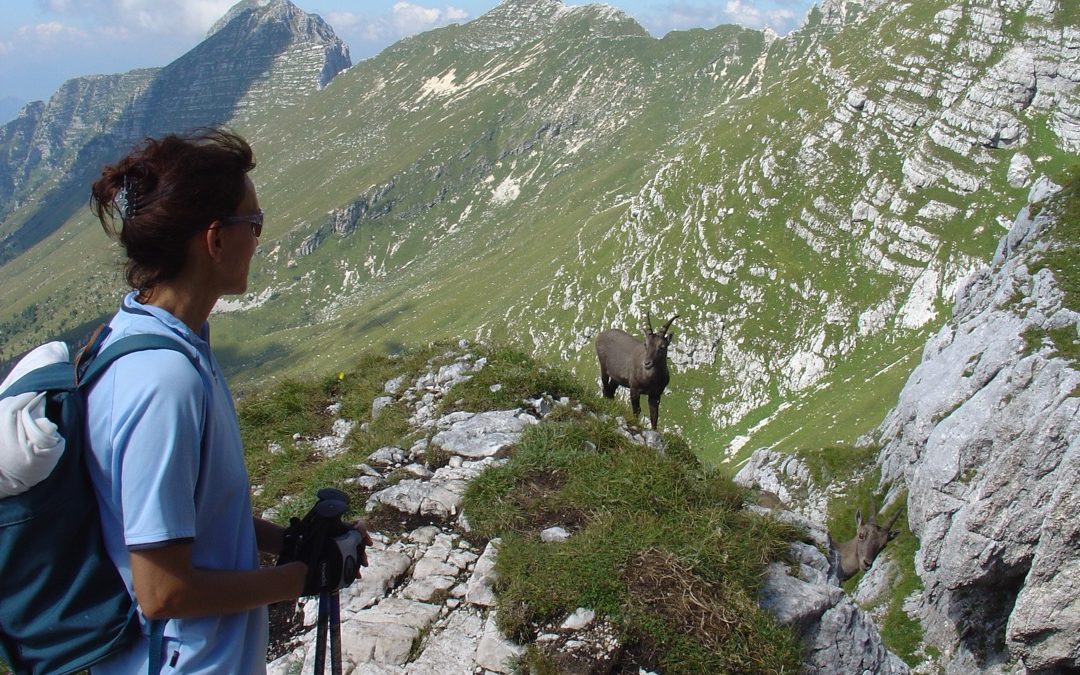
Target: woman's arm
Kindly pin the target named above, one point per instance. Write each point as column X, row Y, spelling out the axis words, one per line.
column 269, row 536
column 168, row 586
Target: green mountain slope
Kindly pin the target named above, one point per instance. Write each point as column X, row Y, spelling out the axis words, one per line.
column 805, row 204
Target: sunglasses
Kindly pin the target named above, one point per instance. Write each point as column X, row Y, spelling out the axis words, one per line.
column 254, row 219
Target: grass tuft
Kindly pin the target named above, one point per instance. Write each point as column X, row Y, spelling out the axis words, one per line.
column 290, row 476
column 626, row 504
column 1064, row 235
column 512, row 376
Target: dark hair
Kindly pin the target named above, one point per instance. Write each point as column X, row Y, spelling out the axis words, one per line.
column 164, row 192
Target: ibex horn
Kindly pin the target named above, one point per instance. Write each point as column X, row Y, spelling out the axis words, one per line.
column 893, row 521
column 648, row 323
column 873, row 512
column 668, row 324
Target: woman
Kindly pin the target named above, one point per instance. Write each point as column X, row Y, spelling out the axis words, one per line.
column 167, row 459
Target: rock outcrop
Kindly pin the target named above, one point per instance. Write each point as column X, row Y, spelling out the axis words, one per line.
column 985, row 442
column 838, row 635
column 986, row 439
column 426, row 602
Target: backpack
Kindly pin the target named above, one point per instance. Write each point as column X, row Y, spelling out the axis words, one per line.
column 65, row 606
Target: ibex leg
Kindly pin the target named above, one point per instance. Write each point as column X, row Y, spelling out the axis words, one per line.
column 607, row 385
column 654, row 410
column 635, row 402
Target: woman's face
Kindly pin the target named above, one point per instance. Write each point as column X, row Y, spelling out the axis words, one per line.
column 240, row 242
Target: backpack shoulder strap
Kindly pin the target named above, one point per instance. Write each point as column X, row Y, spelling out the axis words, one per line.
column 59, row 376
column 98, row 364
column 128, row 345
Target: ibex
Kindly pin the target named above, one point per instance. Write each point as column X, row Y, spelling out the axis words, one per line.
column 859, row 553
column 640, row 367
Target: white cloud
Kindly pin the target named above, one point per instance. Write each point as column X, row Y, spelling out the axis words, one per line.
column 345, row 20
column 405, row 18
column 49, row 31
column 189, row 16
column 113, row 17
column 6, row 48
column 749, row 14
column 755, row 14
column 408, row 18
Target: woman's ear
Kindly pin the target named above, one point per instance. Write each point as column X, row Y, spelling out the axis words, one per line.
column 212, row 241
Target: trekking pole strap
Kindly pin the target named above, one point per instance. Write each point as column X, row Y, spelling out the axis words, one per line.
column 157, row 639
column 335, row 634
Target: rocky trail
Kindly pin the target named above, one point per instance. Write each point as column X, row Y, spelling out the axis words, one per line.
column 426, row 602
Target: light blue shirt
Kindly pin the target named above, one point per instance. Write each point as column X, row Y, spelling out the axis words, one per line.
column 158, row 482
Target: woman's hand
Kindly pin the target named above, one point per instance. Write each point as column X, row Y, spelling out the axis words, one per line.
column 365, row 541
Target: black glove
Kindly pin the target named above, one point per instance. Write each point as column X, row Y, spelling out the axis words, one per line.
column 331, row 550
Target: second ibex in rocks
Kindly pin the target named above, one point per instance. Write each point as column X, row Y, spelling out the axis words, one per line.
column 859, row 553
column 640, row 367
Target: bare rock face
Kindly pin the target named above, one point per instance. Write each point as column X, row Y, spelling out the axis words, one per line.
column 785, row 476
column 985, row 438
column 838, row 636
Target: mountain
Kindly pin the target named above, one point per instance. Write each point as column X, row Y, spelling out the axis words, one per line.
column 808, row 205
column 263, row 55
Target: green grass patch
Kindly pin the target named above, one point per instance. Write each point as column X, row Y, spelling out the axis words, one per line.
column 365, row 381
column 278, row 423
column 292, row 407
column 830, row 465
column 902, row 634
column 510, row 376
column 1066, row 342
column 650, row 532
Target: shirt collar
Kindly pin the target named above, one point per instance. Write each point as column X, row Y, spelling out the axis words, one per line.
column 133, row 306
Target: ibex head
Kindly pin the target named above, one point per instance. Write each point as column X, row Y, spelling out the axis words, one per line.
column 871, row 538
column 656, row 344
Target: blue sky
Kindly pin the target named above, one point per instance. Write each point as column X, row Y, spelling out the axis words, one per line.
column 44, row 42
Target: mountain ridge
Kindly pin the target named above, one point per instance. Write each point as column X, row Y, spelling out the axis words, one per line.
column 808, row 204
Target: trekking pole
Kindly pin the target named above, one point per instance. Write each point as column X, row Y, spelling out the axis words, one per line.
column 320, row 633
column 335, row 634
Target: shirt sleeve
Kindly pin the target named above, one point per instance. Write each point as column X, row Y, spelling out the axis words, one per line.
column 158, row 415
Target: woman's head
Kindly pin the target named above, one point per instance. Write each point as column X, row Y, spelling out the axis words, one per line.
column 164, row 192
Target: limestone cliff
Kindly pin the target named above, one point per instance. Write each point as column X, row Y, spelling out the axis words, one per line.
column 986, row 440
column 984, row 443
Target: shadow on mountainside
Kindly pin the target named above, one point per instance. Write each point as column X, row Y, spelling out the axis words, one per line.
column 189, row 93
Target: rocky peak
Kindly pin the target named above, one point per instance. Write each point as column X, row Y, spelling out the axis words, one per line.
column 306, row 35
column 262, row 56
column 839, row 13
column 247, row 7
column 514, row 22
